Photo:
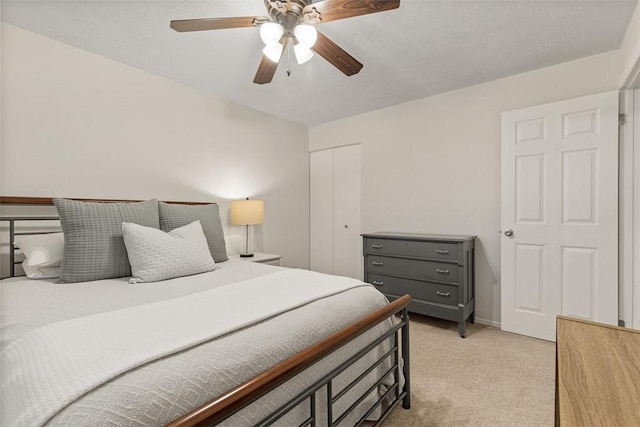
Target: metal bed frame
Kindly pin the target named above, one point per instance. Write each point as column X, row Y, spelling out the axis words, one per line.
column 228, row 404
column 13, row 233
column 231, row 402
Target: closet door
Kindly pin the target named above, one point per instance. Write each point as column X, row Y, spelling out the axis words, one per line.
column 321, row 211
column 347, row 243
column 335, row 186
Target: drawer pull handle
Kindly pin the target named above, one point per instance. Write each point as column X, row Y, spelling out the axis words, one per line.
column 375, row 282
column 442, row 251
column 443, row 294
column 376, row 246
column 442, row 271
column 378, row 263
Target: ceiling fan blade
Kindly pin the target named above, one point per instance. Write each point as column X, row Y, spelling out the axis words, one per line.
column 336, row 55
column 267, row 68
column 331, row 10
column 217, row 23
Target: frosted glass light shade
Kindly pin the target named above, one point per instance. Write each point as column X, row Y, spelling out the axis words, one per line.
column 273, row 51
column 303, row 53
column 306, row 35
column 247, row 212
column 271, row 32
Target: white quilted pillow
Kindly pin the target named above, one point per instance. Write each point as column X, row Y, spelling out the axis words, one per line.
column 155, row 255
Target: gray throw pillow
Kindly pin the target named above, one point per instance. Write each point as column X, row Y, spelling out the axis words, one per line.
column 93, row 245
column 174, row 216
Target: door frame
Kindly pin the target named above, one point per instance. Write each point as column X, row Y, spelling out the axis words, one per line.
column 633, row 266
column 627, row 206
column 629, row 196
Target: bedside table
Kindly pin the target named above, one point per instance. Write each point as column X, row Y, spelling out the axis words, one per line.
column 260, row 257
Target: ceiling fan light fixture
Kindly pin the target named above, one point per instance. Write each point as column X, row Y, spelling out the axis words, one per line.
column 306, row 35
column 303, row 53
column 291, row 22
column 271, row 33
column 273, row 51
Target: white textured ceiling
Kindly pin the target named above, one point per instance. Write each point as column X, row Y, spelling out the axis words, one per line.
column 421, row 49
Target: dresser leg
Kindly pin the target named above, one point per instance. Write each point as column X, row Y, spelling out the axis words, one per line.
column 462, row 328
column 472, row 318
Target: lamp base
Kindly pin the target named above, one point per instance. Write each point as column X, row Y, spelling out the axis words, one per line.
column 246, row 255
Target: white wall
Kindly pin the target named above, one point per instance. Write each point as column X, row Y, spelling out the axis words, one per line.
column 75, row 124
column 630, row 50
column 433, row 165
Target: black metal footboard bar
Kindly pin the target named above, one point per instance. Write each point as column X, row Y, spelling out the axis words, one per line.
column 327, row 381
column 397, row 357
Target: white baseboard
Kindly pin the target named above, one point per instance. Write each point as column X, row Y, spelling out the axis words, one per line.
column 487, row 322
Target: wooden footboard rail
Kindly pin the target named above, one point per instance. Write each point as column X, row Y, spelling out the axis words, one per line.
column 231, row 402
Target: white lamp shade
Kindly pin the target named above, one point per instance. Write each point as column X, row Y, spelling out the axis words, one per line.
column 271, row 32
column 306, row 35
column 303, row 53
column 247, row 212
column 273, row 51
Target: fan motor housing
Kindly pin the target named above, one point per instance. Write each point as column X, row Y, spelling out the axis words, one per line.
column 279, row 9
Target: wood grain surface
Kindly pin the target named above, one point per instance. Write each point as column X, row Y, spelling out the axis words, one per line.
column 598, row 374
column 206, row 24
column 267, row 68
column 336, row 55
column 341, row 9
column 48, row 201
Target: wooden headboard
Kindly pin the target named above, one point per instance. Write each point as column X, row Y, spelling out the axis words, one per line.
column 48, row 201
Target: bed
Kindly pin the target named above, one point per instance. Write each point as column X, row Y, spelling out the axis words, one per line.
column 246, row 344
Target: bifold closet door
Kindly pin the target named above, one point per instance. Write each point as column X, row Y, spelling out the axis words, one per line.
column 336, row 245
column 321, row 211
column 347, row 243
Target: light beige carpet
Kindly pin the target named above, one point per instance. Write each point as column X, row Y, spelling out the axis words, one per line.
column 491, row 378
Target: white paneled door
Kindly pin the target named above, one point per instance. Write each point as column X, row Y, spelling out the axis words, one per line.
column 335, row 187
column 559, row 219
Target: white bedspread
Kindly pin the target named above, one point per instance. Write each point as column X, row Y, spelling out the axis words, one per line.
column 28, row 304
column 43, row 378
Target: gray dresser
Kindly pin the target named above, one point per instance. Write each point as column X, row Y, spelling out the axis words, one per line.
column 436, row 270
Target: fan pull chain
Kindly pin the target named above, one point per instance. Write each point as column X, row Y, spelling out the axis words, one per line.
column 288, row 59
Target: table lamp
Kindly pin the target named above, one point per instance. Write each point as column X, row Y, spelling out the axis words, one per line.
column 247, row 212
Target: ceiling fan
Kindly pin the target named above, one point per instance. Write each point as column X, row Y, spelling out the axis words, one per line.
column 292, row 21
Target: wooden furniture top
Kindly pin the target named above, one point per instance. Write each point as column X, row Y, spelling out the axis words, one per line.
column 48, row 201
column 597, row 374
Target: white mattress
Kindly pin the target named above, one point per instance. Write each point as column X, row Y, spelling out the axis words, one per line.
column 163, row 389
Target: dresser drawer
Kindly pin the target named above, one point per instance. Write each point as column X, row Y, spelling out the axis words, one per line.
column 435, row 292
column 428, row 270
column 434, row 250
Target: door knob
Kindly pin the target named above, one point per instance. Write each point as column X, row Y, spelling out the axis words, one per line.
column 508, row 232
